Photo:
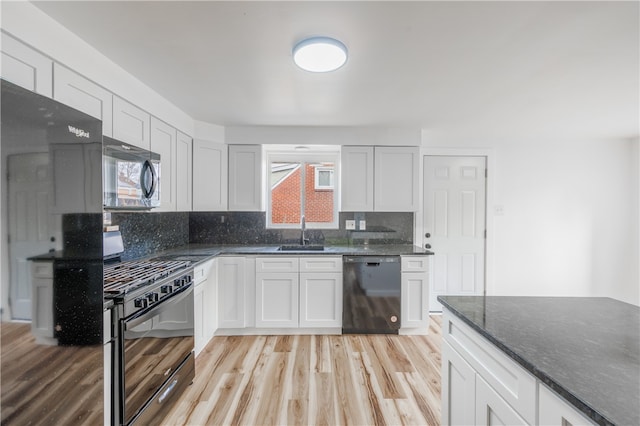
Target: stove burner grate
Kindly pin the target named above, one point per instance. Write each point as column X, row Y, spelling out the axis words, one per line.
column 123, row 277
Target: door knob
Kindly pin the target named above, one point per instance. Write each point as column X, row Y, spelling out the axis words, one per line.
column 427, row 246
column 427, row 235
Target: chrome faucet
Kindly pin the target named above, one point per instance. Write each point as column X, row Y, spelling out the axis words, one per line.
column 303, row 227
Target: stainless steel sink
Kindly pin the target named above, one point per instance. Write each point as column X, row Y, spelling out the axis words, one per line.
column 299, row 247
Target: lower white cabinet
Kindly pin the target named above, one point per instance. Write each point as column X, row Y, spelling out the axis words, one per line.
column 414, row 294
column 554, row 411
column 42, row 303
column 299, row 292
column 205, row 303
column 231, row 292
column 492, row 409
column 458, row 389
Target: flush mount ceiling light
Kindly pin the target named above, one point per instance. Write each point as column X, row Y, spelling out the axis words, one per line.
column 320, row 54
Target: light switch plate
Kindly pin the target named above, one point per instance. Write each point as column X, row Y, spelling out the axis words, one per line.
column 363, row 225
column 350, row 224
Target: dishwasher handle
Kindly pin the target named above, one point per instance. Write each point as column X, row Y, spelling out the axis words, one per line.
column 371, row 260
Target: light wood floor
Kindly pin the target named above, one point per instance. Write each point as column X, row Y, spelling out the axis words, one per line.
column 315, row 380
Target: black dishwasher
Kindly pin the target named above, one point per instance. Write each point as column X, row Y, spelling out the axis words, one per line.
column 371, row 299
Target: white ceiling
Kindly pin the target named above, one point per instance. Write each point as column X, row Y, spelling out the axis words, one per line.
column 565, row 68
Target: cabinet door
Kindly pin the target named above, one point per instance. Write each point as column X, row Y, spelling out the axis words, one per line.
column 321, row 299
column 491, row 409
column 163, row 142
column 357, row 178
column 554, row 411
column 42, row 302
column 184, row 161
column 231, row 290
column 200, row 327
column 210, row 180
column 245, row 178
column 25, row 67
column 277, row 299
column 415, row 300
column 130, row 123
column 458, row 389
column 396, row 179
column 76, row 91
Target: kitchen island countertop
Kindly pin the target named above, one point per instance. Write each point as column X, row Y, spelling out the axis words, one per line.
column 585, row 349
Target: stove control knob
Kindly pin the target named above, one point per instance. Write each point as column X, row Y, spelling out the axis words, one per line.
column 140, row 303
column 152, row 297
column 166, row 289
column 178, row 282
column 189, row 278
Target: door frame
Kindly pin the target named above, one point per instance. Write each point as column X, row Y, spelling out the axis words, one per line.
column 419, row 239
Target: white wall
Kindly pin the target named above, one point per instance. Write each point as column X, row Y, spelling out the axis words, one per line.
column 570, row 222
column 32, row 26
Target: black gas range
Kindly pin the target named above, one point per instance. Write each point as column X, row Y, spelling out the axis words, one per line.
column 152, row 315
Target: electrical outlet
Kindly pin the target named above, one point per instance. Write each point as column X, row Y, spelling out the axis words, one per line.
column 350, row 224
column 363, row 225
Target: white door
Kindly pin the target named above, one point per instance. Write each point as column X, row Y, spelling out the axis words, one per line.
column 454, row 224
column 30, row 224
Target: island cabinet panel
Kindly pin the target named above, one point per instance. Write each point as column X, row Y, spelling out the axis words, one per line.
column 458, row 389
column 131, row 124
column 512, row 383
column 553, row 410
column 26, row 67
column 209, row 176
column 357, row 178
column 84, row 95
column 492, row 409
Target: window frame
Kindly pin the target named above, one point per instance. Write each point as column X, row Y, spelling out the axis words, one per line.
column 310, row 156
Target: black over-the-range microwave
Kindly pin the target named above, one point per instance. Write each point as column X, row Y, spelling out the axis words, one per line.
column 131, row 178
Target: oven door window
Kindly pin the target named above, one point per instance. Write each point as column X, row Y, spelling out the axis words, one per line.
column 153, row 350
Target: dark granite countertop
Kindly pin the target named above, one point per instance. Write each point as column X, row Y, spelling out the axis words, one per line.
column 75, row 254
column 205, row 250
column 586, row 349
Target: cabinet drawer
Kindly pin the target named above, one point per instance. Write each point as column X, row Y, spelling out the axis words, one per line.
column 277, row 264
column 415, row 263
column 201, row 271
column 321, row 264
column 42, row 269
column 512, row 382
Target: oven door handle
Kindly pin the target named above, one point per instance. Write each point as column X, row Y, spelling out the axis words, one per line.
column 149, row 313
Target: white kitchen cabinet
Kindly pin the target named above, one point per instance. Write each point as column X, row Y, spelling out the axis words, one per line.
column 184, row 170
column 396, row 179
column 245, row 178
column 210, row 179
column 277, row 292
column 554, row 411
column 205, row 304
column 320, row 291
column 415, row 294
column 42, row 303
column 357, row 178
column 26, row 67
column 74, row 90
column 458, row 389
column 163, row 142
column 131, row 124
column 492, row 409
column 231, row 292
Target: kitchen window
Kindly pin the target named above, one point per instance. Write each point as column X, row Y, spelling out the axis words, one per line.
column 302, row 184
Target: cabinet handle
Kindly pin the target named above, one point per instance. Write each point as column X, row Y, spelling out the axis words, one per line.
column 427, row 246
column 427, row 235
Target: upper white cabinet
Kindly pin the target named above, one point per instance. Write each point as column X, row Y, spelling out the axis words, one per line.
column 84, row 95
column 25, row 67
column 357, row 178
column 415, row 294
column 245, row 178
column 130, row 123
column 163, row 142
column 184, row 170
column 210, row 180
column 396, row 179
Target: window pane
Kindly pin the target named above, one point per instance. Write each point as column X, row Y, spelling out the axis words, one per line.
column 285, row 180
column 319, row 195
